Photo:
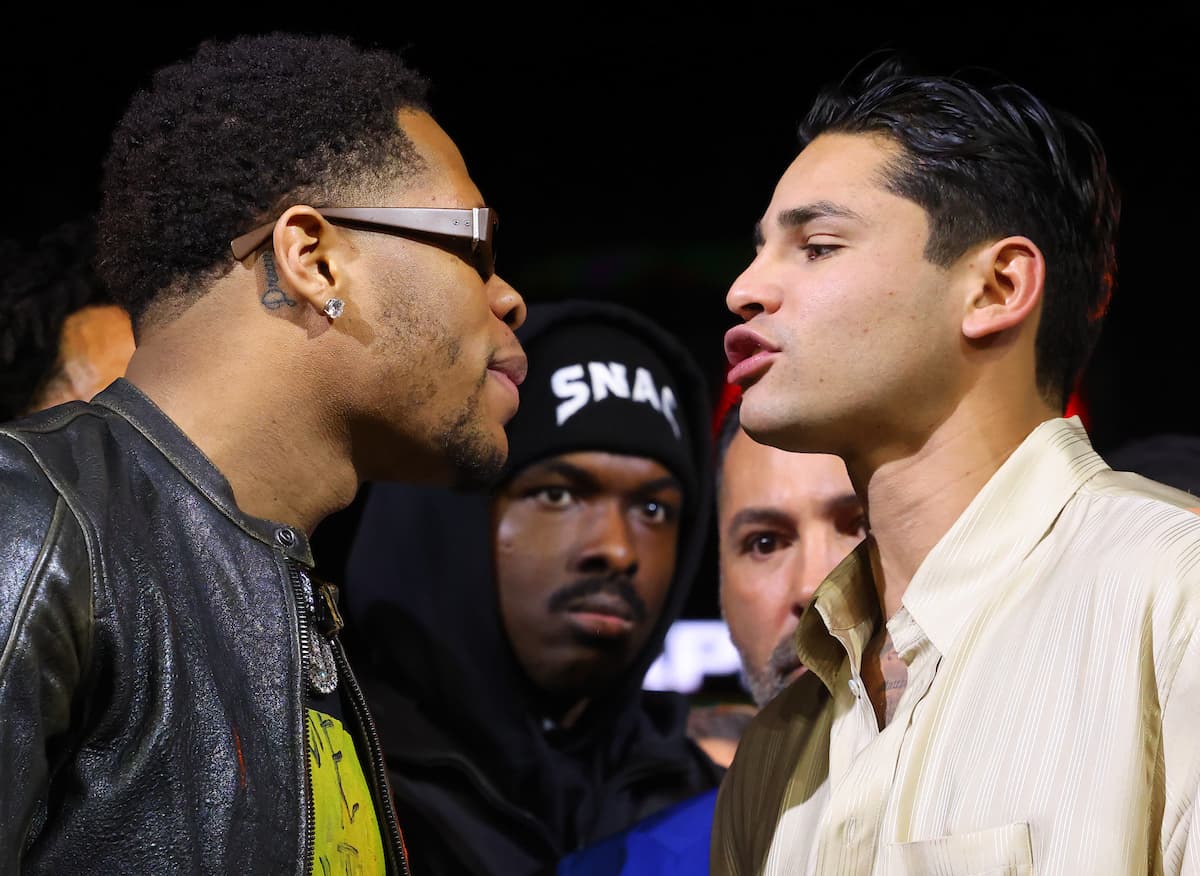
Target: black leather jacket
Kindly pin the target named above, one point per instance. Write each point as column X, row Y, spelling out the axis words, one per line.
column 152, row 658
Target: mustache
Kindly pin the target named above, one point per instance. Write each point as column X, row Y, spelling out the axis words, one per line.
column 618, row 585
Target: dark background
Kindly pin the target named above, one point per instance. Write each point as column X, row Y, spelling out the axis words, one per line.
column 630, row 155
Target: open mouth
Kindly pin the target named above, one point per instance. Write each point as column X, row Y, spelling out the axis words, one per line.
column 749, row 355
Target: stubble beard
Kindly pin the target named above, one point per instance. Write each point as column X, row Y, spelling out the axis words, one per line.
column 473, row 457
column 765, row 684
column 470, row 454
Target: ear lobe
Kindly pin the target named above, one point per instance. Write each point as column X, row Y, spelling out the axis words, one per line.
column 1008, row 287
column 305, row 258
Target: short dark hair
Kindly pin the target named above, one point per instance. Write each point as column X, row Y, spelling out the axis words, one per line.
column 228, row 139
column 43, row 285
column 985, row 158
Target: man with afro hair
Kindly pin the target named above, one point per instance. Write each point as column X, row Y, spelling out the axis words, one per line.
column 308, row 268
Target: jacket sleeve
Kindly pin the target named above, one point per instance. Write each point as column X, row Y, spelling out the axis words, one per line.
column 45, row 625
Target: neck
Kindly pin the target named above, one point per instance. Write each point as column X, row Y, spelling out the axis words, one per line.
column 916, row 492
column 285, row 458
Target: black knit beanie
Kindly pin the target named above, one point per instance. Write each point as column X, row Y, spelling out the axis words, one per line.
column 598, row 386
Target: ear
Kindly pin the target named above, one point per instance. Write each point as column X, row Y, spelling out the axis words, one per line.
column 309, row 256
column 1008, row 278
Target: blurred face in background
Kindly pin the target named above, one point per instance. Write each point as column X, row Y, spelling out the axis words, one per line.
column 94, row 350
column 786, row 520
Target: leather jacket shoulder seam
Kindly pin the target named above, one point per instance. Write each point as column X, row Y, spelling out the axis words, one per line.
column 58, row 521
column 62, row 506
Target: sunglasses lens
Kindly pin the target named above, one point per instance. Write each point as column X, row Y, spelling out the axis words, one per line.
column 487, row 251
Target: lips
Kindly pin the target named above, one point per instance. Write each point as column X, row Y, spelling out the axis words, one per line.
column 509, row 371
column 602, row 603
column 749, row 355
column 514, row 366
column 601, row 615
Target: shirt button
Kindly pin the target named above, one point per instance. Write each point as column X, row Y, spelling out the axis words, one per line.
column 856, row 688
column 285, row 536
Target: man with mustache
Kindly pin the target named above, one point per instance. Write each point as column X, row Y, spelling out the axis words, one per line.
column 505, row 637
column 1004, row 677
column 784, row 521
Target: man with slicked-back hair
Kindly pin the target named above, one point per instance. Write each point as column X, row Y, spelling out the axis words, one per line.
column 1004, row 676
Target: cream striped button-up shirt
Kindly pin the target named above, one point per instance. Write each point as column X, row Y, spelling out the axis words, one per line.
column 1051, row 722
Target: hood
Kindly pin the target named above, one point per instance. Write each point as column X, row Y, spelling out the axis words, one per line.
column 425, row 633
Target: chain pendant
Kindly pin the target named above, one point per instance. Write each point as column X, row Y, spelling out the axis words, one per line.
column 322, row 670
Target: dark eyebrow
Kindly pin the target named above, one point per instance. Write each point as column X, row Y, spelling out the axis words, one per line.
column 769, row 516
column 847, row 501
column 573, row 473
column 798, row 216
column 667, row 483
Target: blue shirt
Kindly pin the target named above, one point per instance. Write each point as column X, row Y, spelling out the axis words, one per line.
column 674, row 842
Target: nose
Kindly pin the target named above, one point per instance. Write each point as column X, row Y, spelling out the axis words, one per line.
column 506, row 302
column 820, row 556
column 606, row 542
column 754, row 292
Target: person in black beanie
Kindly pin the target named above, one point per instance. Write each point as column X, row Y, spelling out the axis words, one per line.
column 504, row 636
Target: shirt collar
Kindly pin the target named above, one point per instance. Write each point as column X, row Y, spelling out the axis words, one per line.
column 1000, row 527
column 845, row 610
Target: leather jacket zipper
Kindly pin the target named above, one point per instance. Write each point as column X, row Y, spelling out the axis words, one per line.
column 323, row 599
column 300, row 591
column 375, row 752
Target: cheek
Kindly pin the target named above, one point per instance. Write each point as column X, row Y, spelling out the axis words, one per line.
column 657, row 557
column 747, row 598
column 511, row 563
column 518, row 574
column 531, row 551
column 467, row 314
column 843, row 545
column 765, row 594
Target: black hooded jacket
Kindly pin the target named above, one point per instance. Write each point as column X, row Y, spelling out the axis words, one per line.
column 480, row 786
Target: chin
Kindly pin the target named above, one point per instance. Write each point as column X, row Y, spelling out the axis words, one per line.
column 793, row 430
column 479, row 472
column 773, row 431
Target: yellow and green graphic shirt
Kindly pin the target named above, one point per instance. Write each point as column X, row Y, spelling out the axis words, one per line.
column 348, row 842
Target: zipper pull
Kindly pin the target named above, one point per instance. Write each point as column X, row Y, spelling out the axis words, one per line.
column 328, row 618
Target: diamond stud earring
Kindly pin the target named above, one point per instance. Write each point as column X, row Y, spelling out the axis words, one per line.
column 333, row 308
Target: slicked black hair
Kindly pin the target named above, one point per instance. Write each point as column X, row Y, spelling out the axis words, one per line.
column 42, row 286
column 985, row 159
column 230, row 138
